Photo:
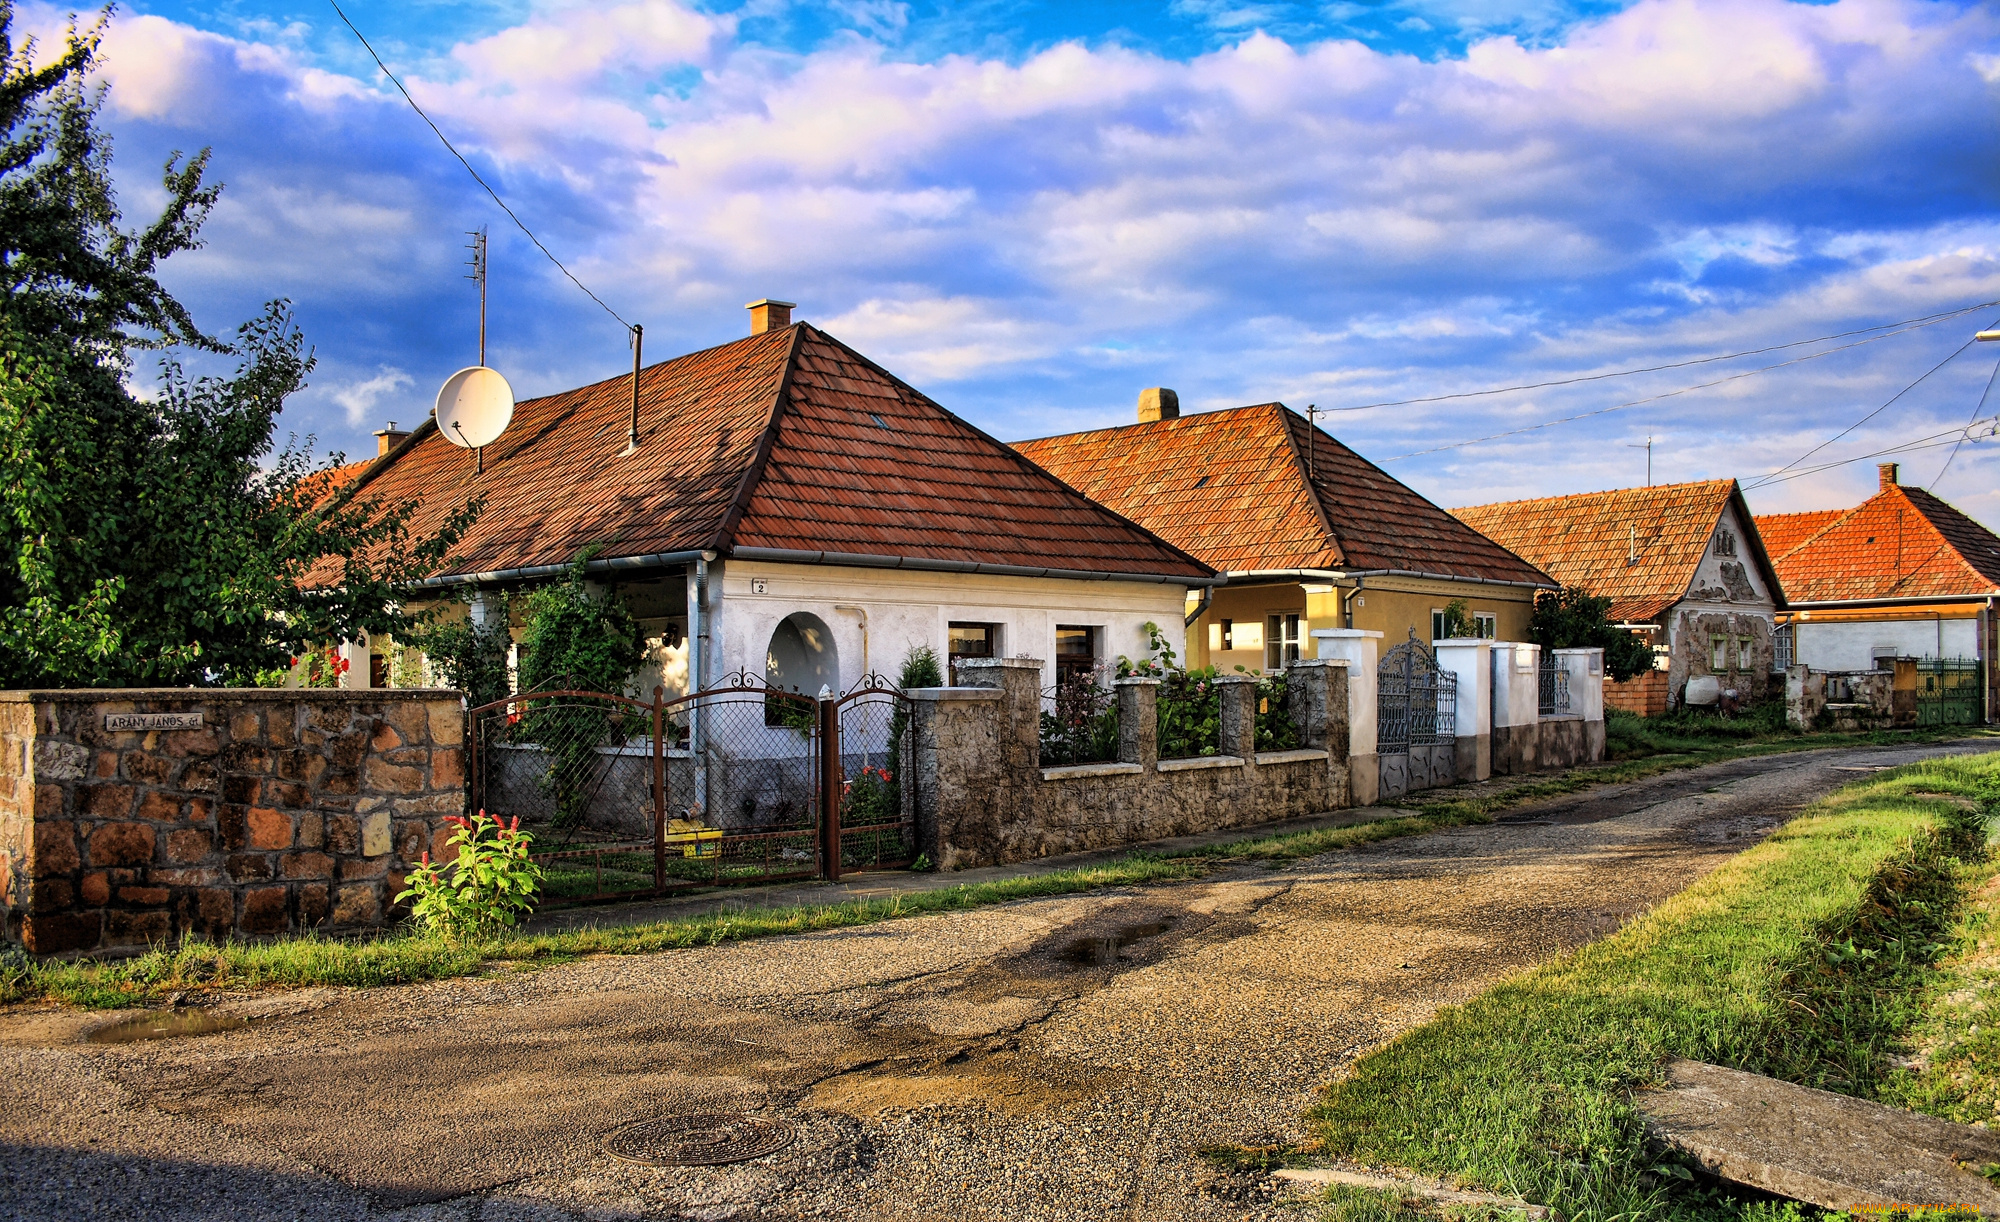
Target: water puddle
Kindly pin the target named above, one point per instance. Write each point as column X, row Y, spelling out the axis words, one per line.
column 1096, row 952
column 164, row 1024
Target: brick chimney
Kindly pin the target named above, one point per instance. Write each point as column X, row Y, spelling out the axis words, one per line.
column 1887, row 471
column 389, row 438
column 1158, row 403
column 769, row 315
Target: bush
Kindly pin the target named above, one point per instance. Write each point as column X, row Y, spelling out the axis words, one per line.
column 1083, row 727
column 1573, row 618
column 492, row 883
column 1276, row 731
column 468, row 656
column 1189, row 701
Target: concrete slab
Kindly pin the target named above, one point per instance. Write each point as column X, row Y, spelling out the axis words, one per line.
column 1811, row 1145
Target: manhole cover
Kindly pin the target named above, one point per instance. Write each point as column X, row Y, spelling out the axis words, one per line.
column 705, row 1139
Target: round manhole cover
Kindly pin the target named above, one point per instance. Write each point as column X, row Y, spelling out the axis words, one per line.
column 705, row 1139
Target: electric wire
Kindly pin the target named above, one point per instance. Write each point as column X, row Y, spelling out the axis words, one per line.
column 1910, row 323
column 1616, row 407
column 518, row 222
column 1968, row 424
column 1950, row 437
column 1772, row 477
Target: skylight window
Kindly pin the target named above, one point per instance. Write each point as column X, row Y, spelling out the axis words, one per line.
column 1203, row 480
column 879, row 422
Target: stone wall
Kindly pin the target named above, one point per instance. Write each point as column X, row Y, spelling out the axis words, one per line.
column 984, row 798
column 220, row 812
column 1852, row 700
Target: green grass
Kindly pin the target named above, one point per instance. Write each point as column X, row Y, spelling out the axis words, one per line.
column 1808, row 957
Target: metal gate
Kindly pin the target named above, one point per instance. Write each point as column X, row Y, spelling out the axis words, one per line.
column 1949, row 692
column 1416, row 716
column 739, row 783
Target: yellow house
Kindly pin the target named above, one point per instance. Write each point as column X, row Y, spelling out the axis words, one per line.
column 1311, row 534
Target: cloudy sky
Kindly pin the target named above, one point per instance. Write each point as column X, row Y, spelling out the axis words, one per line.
column 1033, row 210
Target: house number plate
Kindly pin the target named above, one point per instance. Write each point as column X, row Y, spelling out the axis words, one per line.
column 152, row 721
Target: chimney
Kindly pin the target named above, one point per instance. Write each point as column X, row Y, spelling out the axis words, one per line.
column 389, row 438
column 1887, row 470
column 1158, row 403
column 769, row 315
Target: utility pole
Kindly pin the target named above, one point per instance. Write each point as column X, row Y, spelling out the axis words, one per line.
column 1648, row 448
column 478, row 265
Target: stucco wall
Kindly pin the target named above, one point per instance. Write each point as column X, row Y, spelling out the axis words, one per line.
column 269, row 812
column 1854, row 644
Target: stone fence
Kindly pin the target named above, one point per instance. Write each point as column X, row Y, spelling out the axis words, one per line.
column 1852, row 700
column 132, row 816
column 985, row 799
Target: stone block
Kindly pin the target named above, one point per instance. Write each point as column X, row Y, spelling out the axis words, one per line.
column 249, row 867
column 312, row 831
column 147, row 769
column 48, row 801
column 55, row 933
column 374, row 868
column 199, row 810
column 340, row 782
column 281, row 727
column 269, row 829
column 53, row 895
column 246, row 757
column 143, row 896
column 448, row 768
column 210, row 912
column 312, row 904
column 380, row 776
column 134, row 928
column 332, row 717
column 107, row 801
column 106, row 766
column 60, row 761
column 199, row 777
column 343, row 834
column 191, row 743
column 233, row 825
column 55, row 848
column 162, row 807
column 198, row 876
column 121, row 844
column 412, row 838
column 95, row 889
column 245, row 726
column 375, row 836
column 441, row 848
column 264, row 910
column 286, row 794
column 348, row 750
column 305, row 865
column 384, row 738
column 450, row 802
column 447, row 720
column 244, row 789
column 360, row 904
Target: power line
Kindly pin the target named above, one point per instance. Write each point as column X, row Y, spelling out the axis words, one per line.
column 1772, row 477
column 1617, row 407
column 1950, row 437
column 1908, row 323
column 518, row 222
column 1968, row 424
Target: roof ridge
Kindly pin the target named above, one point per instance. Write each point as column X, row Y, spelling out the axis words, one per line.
column 1141, row 424
column 1304, row 472
column 1715, row 484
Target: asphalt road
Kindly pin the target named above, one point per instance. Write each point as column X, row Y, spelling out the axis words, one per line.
column 1058, row 1058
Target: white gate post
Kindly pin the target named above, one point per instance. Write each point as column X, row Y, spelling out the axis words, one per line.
column 1467, row 659
column 1358, row 647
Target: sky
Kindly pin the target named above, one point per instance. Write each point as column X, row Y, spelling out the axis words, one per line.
column 1031, row 211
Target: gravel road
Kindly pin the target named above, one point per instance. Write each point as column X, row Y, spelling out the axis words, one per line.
column 1050, row 1059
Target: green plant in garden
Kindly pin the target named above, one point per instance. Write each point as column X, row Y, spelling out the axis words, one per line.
column 1276, row 731
column 871, row 797
column 1189, row 701
column 492, row 884
column 468, row 656
column 1574, row 618
column 1082, row 727
column 582, row 641
column 1458, row 623
column 921, row 668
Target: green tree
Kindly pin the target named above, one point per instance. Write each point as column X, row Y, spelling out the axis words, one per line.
column 160, row 540
column 470, row 657
column 577, row 639
column 1574, row 618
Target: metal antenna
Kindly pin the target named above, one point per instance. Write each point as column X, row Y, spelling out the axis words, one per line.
column 1312, row 436
column 1648, row 448
column 478, row 265
column 638, row 346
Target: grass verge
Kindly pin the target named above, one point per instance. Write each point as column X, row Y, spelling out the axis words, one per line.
column 1808, row 957
column 405, row 957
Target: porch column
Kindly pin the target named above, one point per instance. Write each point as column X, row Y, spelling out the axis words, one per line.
column 1469, row 661
column 1517, row 719
column 1359, row 648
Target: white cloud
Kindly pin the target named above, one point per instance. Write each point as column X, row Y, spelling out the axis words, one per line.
column 359, row 398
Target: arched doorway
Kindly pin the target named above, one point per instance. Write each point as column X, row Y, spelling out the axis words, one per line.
column 802, row 657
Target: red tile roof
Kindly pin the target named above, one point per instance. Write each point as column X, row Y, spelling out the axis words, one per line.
column 1784, row 531
column 784, row 440
column 1587, row 540
column 1900, row 543
column 1258, row 488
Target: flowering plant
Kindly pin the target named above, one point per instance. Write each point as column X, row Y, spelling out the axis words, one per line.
column 871, row 797
column 492, row 882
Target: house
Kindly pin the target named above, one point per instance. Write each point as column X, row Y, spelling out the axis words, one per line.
column 1310, row 534
column 794, row 510
column 1903, row 574
column 1682, row 564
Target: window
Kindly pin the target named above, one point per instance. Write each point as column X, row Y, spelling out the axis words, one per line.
column 1718, row 654
column 1437, row 624
column 971, row 641
column 1229, row 634
column 1485, row 625
column 1744, row 652
column 1281, row 641
column 1076, row 651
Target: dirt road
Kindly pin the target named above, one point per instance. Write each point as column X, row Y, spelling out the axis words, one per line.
column 1061, row 1058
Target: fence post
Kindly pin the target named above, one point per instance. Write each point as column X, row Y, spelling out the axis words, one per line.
column 659, row 790
column 1239, row 716
column 831, row 779
column 1358, row 647
column 1138, row 722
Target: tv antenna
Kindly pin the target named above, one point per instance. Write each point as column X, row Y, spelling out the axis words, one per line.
column 1648, row 448
column 478, row 265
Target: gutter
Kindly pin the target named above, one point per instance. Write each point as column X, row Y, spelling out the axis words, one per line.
column 1837, row 603
column 925, row 564
column 1236, row 575
column 609, row 564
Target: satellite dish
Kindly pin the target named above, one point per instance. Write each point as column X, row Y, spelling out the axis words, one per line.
column 474, row 407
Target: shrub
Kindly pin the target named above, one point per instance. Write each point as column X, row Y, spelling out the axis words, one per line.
column 1189, row 701
column 470, row 657
column 1573, row 618
column 492, row 883
column 1276, row 731
column 1082, row 728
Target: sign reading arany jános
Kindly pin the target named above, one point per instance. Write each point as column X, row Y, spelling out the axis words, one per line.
column 152, row 721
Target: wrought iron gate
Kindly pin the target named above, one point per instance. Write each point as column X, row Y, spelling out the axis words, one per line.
column 1950, row 692
column 1416, row 717
column 739, row 783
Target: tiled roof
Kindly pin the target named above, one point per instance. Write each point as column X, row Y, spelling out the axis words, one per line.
column 320, row 485
column 1587, row 540
column 1784, row 531
column 1900, row 543
column 787, row 440
column 1237, row 488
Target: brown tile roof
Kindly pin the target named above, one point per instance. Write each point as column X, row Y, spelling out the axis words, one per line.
column 1784, row 531
column 789, row 440
column 1235, row 488
column 1900, row 543
column 1586, row 540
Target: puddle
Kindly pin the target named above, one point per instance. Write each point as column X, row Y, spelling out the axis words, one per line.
column 1100, row 951
column 164, row 1024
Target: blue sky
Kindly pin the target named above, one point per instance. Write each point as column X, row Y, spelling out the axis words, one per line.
column 1033, row 210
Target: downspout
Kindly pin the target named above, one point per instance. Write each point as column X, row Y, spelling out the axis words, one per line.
column 698, row 680
column 1347, row 603
column 1207, row 597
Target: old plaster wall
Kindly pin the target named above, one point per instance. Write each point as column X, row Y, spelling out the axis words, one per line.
column 273, row 812
column 985, row 799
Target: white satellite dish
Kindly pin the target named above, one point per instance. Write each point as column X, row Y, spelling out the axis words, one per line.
column 474, row 407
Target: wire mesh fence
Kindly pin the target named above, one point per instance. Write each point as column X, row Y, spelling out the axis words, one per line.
column 742, row 785
column 876, row 797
